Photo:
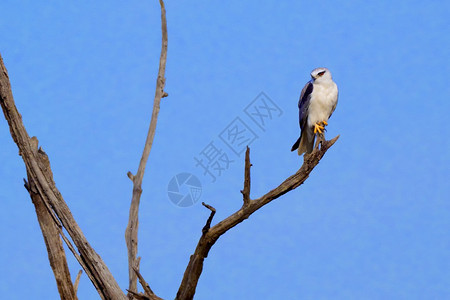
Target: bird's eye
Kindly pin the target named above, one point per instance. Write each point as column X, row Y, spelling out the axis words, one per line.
column 321, row 73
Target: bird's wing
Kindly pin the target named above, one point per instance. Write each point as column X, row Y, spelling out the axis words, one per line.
column 303, row 104
column 334, row 106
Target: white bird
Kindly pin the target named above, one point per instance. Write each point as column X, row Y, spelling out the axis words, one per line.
column 317, row 102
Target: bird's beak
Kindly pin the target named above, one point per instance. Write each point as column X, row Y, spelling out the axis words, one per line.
column 313, row 77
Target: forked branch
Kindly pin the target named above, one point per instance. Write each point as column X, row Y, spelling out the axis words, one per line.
column 194, row 268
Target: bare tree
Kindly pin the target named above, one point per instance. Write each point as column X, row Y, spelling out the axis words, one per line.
column 54, row 214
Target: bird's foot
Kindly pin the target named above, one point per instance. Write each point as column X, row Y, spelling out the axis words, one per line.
column 319, row 128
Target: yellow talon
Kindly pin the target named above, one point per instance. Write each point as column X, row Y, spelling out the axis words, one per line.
column 318, row 128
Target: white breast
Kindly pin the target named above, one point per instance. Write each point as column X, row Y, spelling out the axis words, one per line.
column 323, row 100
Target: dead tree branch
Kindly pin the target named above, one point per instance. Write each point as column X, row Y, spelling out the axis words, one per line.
column 148, row 291
column 246, row 191
column 211, row 216
column 77, row 281
column 53, row 242
column 44, row 164
column 195, row 266
column 131, row 232
column 98, row 272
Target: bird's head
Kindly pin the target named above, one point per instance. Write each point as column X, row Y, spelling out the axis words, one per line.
column 321, row 74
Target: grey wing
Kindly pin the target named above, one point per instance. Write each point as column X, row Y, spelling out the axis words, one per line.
column 303, row 104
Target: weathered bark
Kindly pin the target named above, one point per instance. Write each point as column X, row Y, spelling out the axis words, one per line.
column 53, row 242
column 131, row 232
column 210, row 236
column 94, row 266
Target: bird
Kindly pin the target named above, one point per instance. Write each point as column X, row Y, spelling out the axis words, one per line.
column 317, row 103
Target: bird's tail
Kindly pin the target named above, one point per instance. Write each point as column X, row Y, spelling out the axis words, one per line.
column 295, row 146
column 306, row 142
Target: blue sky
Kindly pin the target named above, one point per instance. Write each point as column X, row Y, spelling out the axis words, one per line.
column 371, row 222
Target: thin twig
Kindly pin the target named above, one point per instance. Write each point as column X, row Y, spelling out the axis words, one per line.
column 194, row 268
column 77, row 281
column 211, row 216
column 131, row 232
column 246, row 191
column 148, row 291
